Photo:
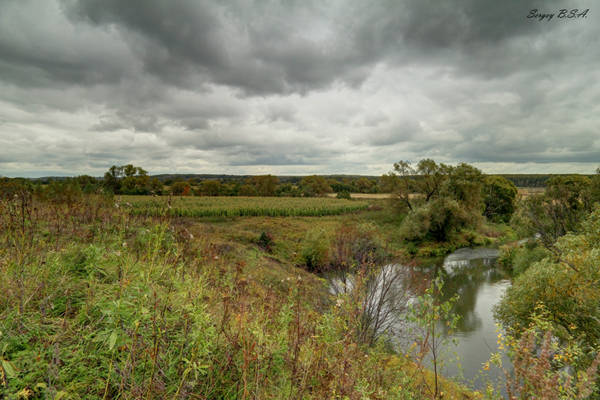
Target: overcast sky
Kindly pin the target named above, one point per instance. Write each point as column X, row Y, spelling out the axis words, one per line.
column 297, row 87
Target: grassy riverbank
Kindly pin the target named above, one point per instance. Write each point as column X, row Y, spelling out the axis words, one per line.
column 100, row 303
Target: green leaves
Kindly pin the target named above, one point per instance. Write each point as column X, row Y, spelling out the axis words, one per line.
column 430, row 315
column 112, row 340
column 9, row 369
column 568, row 286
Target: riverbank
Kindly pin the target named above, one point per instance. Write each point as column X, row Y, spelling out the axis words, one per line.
column 100, row 303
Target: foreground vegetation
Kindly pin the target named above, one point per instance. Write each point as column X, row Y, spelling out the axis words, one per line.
column 100, row 303
column 129, row 297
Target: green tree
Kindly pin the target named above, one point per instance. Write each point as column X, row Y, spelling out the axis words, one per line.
column 344, row 195
column 568, row 284
column 426, row 180
column 265, row 185
column 440, row 220
column 127, row 179
column 428, row 312
column 247, row 191
column 156, row 186
column 401, row 184
column 112, row 179
column 566, row 203
column 441, row 200
column 315, row 186
column 430, row 178
column 464, row 185
column 363, row 185
column 499, row 198
column 210, row 188
column 180, row 189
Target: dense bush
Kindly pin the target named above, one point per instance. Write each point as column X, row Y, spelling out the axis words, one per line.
column 344, row 194
column 520, row 257
column 438, row 220
column 315, row 251
column 566, row 284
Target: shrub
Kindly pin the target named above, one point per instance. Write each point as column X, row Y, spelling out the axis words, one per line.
column 440, row 220
column 266, row 241
column 344, row 194
column 520, row 257
column 315, row 250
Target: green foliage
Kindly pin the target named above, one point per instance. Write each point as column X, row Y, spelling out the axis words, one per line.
column 264, row 185
column 266, row 241
column 464, row 185
column 363, row 185
column 441, row 201
column 499, row 198
column 344, row 195
column 127, row 179
column 431, row 178
column 112, row 306
column 247, row 191
column 355, row 246
column 65, row 191
column 400, row 184
column 210, row 188
column 520, row 257
column 561, row 209
column 315, row 186
column 567, row 285
column 432, row 338
column 540, row 363
column 180, row 189
column 315, row 251
column 439, row 220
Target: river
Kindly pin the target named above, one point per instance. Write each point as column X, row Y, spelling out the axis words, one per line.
column 473, row 274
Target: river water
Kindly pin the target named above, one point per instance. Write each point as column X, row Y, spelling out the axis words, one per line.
column 473, row 274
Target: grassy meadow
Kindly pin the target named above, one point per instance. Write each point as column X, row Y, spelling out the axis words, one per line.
column 99, row 302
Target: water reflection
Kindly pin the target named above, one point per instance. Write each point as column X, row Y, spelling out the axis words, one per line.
column 475, row 276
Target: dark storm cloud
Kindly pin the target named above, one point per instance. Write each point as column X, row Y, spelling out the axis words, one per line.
column 36, row 51
column 265, row 47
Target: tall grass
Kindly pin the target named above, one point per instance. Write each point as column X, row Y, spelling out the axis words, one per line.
column 99, row 303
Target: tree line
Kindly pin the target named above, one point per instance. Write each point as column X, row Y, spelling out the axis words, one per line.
column 133, row 180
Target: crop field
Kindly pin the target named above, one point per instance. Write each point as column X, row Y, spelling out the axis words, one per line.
column 239, row 206
column 528, row 191
column 363, row 196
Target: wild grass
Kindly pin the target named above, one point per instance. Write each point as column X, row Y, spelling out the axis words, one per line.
column 101, row 303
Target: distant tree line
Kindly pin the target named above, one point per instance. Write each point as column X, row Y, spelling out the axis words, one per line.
column 132, row 180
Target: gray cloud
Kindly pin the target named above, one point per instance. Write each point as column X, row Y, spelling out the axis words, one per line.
column 292, row 87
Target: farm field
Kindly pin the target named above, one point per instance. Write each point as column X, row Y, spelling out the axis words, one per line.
column 239, row 206
column 528, row 191
column 362, row 196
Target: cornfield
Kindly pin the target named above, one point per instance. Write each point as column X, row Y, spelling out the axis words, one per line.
column 238, row 206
